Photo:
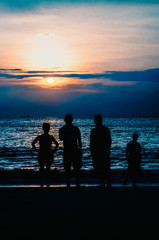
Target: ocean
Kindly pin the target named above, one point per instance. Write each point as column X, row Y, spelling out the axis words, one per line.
column 17, row 135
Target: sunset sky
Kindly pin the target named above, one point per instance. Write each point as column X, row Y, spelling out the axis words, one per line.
column 99, row 57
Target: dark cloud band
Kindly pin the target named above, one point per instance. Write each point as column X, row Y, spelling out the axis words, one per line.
column 149, row 75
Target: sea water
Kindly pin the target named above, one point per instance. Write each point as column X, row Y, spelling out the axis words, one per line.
column 16, row 136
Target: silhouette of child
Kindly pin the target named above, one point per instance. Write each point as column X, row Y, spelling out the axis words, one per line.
column 45, row 153
column 133, row 153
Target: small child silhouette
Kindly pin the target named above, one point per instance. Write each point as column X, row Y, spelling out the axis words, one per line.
column 45, row 153
column 133, row 153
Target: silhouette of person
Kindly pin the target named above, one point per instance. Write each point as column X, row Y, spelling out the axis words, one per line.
column 45, row 153
column 100, row 143
column 133, row 153
column 72, row 153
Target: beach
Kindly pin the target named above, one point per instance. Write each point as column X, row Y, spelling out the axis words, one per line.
column 28, row 211
column 120, row 212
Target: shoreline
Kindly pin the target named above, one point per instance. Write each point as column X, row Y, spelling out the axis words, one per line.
column 86, row 185
column 30, row 177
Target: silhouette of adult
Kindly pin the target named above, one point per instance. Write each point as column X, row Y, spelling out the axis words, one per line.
column 45, row 153
column 72, row 153
column 100, row 143
column 133, row 153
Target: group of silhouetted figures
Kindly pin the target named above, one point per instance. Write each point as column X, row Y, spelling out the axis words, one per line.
column 100, row 144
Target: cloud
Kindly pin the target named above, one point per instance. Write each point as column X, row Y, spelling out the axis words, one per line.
column 97, row 87
column 45, row 71
column 140, row 100
column 6, row 70
column 45, row 35
column 149, row 75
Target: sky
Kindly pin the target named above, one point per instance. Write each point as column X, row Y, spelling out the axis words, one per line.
column 82, row 57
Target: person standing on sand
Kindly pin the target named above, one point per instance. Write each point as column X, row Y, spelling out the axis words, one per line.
column 100, row 143
column 133, row 153
column 72, row 153
column 45, row 153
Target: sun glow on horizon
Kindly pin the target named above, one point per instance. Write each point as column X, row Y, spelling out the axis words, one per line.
column 50, row 80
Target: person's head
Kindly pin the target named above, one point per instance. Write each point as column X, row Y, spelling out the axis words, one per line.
column 98, row 119
column 135, row 136
column 68, row 118
column 46, row 127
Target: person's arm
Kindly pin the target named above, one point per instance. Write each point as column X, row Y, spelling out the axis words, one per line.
column 55, row 142
column 34, row 142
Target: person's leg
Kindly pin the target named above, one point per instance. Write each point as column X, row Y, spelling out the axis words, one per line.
column 102, row 179
column 67, row 167
column 41, row 173
column 127, row 174
column 77, row 174
column 134, row 177
column 125, row 180
column 103, row 170
column 76, row 161
column 97, row 170
column 68, row 177
column 109, row 178
column 48, row 174
column 108, row 172
column 101, row 175
column 134, row 182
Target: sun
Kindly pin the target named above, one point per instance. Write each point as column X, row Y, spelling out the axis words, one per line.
column 50, row 80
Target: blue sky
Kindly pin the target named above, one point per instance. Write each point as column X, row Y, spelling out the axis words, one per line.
column 27, row 4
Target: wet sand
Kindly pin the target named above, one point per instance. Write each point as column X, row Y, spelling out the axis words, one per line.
column 120, row 212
